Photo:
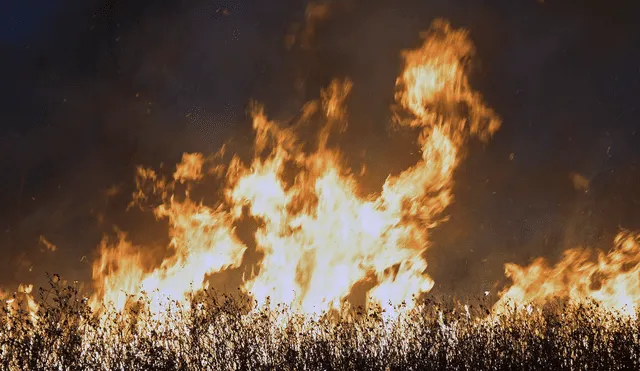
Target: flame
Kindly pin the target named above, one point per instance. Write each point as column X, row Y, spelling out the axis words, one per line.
column 612, row 279
column 21, row 299
column 190, row 168
column 318, row 235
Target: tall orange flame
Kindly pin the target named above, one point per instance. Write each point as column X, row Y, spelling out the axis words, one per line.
column 318, row 235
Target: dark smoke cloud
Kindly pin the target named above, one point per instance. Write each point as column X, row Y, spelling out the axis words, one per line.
column 92, row 90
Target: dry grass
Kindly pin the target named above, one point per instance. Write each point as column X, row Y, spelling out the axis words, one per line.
column 216, row 332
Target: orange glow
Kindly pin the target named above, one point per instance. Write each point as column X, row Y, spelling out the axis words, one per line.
column 48, row 245
column 318, row 235
column 21, row 299
column 612, row 279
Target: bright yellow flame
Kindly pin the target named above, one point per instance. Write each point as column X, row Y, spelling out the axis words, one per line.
column 318, row 235
column 612, row 279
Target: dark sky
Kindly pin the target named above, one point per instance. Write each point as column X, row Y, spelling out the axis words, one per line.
column 92, row 88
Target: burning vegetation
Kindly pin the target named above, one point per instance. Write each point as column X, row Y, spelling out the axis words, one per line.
column 320, row 240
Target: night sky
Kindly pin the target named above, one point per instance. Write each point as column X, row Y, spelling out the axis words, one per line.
column 91, row 89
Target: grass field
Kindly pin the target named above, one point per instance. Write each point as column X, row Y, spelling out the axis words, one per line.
column 217, row 332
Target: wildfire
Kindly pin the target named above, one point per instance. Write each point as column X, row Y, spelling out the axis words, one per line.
column 612, row 280
column 22, row 299
column 319, row 236
column 321, row 242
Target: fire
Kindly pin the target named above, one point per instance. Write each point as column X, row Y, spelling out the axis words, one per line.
column 612, row 279
column 22, row 299
column 321, row 242
column 319, row 236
